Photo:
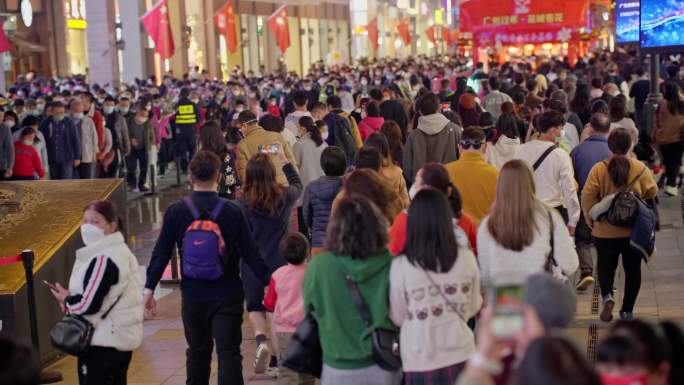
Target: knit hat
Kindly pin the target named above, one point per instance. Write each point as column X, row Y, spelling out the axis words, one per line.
column 553, row 301
column 467, row 101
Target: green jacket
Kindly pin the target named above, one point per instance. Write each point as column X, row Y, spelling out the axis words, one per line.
column 344, row 337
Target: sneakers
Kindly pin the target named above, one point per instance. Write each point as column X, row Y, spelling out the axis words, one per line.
column 671, row 191
column 144, row 189
column 608, row 306
column 272, row 372
column 626, row 316
column 263, row 356
column 136, row 190
column 585, row 282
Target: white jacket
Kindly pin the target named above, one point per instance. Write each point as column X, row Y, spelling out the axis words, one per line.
column 504, row 150
column 89, row 143
column 122, row 328
column 434, row 334
column 498, row 263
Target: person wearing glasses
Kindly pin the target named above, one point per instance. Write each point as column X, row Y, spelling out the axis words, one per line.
column 472, row 175
column 258, row 140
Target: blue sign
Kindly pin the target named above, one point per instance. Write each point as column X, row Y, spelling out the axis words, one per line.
column 627, row 21
column 662, row 25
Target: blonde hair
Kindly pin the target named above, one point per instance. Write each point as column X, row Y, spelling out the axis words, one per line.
column 512, row 220
column 542, row 84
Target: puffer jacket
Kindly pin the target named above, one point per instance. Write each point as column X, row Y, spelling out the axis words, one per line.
column 103, row 272
column 317, row 206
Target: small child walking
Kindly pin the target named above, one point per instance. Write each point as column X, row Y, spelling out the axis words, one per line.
column 284, row 299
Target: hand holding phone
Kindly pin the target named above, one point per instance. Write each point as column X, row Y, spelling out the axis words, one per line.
column 508, row 317
column 48, row 284
column 269, row 149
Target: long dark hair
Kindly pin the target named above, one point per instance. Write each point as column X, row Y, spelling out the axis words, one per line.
column 392, row 132
column 430, row 240
column 357, row 228
column 671, row 93
column 507, row 125
column 262, row 191
column 308, row 123
column 211, row 138
column 435, row 175
column 108, row 211
column 619, row 142
column 379, row 142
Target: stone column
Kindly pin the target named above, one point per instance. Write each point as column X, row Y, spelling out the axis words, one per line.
column 131, row 33
column 103, row 67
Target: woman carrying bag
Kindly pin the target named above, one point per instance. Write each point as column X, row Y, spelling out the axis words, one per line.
column 434, row 290
column 105, row 290
column 353, row 271
column 619, row 173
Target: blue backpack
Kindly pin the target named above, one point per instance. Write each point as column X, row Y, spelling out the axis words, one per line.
column 203, row 245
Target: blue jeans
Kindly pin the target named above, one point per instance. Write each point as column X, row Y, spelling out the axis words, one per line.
column 62, row 171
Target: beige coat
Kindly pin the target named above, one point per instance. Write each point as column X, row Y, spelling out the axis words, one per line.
column 249, row 146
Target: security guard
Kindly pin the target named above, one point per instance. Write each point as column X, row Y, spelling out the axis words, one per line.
column 187, row 117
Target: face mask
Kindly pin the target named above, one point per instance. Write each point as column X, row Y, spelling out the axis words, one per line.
column 324, row 135
column 414, row 190
column 219, row 98
column 364, row 82
column 10, row 123
column 77, row 115
column 108, row 109
column 561, row 136
column 307, row 87
column 239, row 109
column 278, row 86
column 377, row 82
column 91, row 233
column 148, row 108
column 142, row 120
column 634, row 379
column 124, row 110
column 58, row 117
column 40, row 107
column 195, row 101
column 27, row 142
column 236, row 93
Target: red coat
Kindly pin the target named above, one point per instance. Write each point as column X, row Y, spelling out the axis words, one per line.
column 26, row 161
column 397, row 234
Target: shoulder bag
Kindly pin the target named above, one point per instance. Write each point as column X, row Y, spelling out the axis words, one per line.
column 624, row 208
column 551, row 266
column 74, row 333
column 304, row 354
column 542, row 157
column 385, row 342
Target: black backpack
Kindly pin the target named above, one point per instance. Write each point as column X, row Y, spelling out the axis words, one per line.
column 343, row 137
column 624, row 208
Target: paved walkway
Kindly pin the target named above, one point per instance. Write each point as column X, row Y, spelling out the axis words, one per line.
column 161, row 359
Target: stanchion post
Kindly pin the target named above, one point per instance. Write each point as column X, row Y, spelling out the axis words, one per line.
column 28, row 260
column 175, row 275
column 153, row 180
column 178, row 171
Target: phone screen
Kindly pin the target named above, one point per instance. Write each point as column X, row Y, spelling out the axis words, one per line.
column 508, row 310
column 270, row 149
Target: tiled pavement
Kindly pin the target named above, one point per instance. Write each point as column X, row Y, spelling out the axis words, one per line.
column 161, row 359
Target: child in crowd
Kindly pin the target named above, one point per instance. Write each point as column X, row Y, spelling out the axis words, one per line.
column 284, row 299
column 27, row 162
column 320, row 194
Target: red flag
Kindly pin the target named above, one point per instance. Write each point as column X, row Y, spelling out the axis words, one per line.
column 372, row 29
column 224, row 21
column 430, row 33
column 404, row 33
column 4, row 42
column 446, row 36
column 158, row 27
column 278, row 24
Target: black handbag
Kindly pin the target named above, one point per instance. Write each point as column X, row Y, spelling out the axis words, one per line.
column 73, row 333
column 304, row 354
column 385, row 342
column 624, row 208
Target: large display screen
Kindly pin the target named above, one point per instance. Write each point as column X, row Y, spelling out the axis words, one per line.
column 662, row 25
column 627, row 21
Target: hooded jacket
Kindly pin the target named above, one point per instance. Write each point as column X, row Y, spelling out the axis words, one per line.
column 369, row 125
column 503, row 151
column 434, row 140
column 317, row 206
column 345, row 340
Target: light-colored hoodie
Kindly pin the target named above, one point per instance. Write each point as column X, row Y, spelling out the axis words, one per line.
column 435, row 140
column 503, row 151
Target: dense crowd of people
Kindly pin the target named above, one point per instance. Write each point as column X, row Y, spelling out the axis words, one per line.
column 397, row 198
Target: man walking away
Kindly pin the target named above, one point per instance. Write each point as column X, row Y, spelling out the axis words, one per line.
column 63, row 143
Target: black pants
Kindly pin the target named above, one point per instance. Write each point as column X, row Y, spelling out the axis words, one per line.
column 608, row 251
column 583, row 245
column 103, row 366
column 166, row 155
column 185, row 144
column 208, row 321
column 137, row 157
column 15, row 177
column 86, row 170
column 672, row 160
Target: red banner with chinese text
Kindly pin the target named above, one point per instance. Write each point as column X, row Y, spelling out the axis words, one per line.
column 523, row 21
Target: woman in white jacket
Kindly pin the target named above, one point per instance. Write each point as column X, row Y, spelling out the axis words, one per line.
column 506, row 142
column 105, row 279
column 513, row 242
column 434, row 290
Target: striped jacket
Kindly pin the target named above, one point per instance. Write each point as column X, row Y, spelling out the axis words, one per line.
column 103, row 272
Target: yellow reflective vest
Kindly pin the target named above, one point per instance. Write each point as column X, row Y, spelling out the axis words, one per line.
column 185, row 114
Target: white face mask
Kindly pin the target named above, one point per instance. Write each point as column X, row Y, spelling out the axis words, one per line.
column 414, row 190
column 324, row 135
column 77, row 115
column 91, row 233
column 10, row 123
column 108, row 109
column 28, row 142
